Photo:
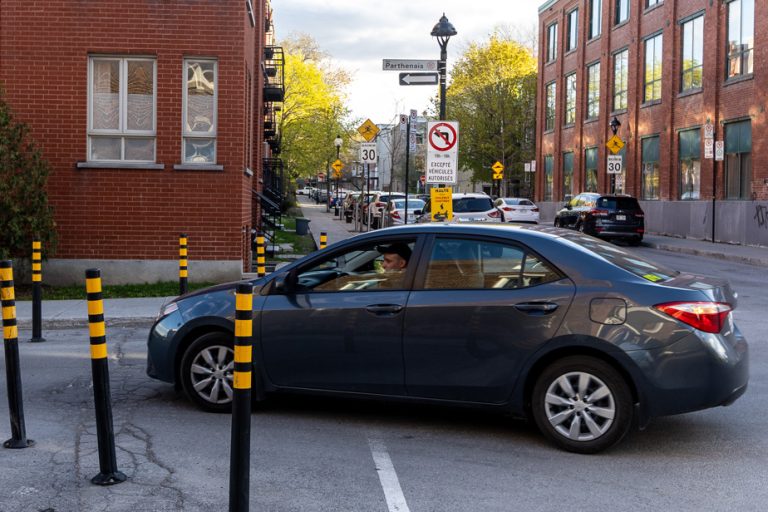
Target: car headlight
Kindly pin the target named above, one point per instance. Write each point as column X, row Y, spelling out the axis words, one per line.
column 167, row 309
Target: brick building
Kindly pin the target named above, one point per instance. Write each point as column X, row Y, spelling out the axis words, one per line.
column 667, row 71
column 152, row 117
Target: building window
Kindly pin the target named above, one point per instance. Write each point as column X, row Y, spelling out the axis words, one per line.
column 590, row 166
column 620, row 79
column 651, row 3
column 549, row 167
column 622, row 11
column 121, row 108
column 650, row 168
column 690, row 164
column 567, row 175
column 552, row 42
column 593, row 90
column 570, row 99
column 199, row 112
column 573, row 30
column 738, row 160
column 549, row 121
column 741, row 37
column 653, row 59
column 693, row 54
column 595, row 18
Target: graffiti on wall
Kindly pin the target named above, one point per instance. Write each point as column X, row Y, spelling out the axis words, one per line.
column 761, row 216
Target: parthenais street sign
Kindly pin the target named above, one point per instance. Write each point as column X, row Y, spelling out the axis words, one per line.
column 408, row 65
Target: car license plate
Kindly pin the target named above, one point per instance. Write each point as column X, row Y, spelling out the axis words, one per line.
column 621, row 217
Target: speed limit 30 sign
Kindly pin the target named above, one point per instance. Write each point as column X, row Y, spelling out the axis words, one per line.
column 368, row 152
column 614, row 164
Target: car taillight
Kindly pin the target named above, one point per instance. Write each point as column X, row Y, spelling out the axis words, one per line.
column 395, row 214
column 508, row 209
column 704, row 316
column 534, row 209
column 598, row 213
column 495, row 214
column 379, row 204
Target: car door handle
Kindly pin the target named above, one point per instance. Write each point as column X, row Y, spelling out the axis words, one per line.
column 384, row 309
column 536, row 308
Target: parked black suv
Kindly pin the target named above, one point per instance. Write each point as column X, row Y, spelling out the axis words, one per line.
column 604, row 216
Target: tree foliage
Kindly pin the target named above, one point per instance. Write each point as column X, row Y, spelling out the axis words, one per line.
column 492, row 96
column 24, row 210
column 313, row 112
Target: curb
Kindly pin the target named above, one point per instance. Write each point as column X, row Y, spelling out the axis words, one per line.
column 709, row 254
column 71, row 323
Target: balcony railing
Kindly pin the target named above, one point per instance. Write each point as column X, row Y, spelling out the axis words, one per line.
column 274, row 74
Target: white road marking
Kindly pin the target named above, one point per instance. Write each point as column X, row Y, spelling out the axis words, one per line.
column 387, row 476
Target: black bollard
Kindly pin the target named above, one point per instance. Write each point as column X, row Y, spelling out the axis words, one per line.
column 12, row 367
column 182, row 264
column 240, row 456
column 105, row 434
column 37, row 292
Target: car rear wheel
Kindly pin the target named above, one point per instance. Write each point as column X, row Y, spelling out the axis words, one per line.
column 207, row 372
column 582, row 404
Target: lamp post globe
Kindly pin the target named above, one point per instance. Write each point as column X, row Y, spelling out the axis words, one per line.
column 443, row 30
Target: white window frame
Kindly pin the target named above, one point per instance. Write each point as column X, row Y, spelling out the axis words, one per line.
column 197, row 135
column 123, row 132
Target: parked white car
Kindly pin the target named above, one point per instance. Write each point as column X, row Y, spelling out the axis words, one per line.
column 467, row 207
column 394, row 213
column 517, row 209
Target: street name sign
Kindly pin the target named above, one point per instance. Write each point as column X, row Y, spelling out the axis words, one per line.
column 614, row 164
column 368, row 152
column 418, row 79
column 368, row 130
column 408, row 65
column 442, row 152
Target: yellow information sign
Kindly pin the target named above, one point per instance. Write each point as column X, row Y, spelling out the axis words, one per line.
column 337, row 167
column 441, row 204
column 368, row 130
column 614, row 144
column 498, row 171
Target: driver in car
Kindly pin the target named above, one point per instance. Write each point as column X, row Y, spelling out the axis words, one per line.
column 396, row 256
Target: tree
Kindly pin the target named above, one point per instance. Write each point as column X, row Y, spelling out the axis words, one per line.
column 24, row 210
column 313, row 112
column 493, row 97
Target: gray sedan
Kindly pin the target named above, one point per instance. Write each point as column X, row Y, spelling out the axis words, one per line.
column 583, row 337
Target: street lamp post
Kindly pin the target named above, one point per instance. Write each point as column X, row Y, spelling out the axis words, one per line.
column 615, row 124
column 443, row 31
column 337, row 142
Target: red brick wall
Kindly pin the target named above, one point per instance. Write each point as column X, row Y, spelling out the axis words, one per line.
column 718, row 102
column 135, row 213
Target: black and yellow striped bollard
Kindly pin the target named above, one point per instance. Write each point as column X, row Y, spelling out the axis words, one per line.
column 261, row 262
column 12, row 367
column 323, row 240
column 105, row 434
column 240, row 456
column 182, row 264
column 37, row 292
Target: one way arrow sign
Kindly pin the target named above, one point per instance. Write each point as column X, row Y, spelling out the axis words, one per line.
column 418, row 79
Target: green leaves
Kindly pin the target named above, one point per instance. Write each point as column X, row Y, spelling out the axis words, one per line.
column 24, row 210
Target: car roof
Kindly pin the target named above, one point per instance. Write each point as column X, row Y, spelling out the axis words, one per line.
column 457, row 195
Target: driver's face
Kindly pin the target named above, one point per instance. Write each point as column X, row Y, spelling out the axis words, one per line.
column 393, row 262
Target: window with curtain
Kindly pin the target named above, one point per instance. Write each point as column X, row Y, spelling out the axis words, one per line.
column 551, row 42
column 622, row 11
column 650, row 177
column 121, row 116
column 567, row 174
column 689, row 149
column 593, row 90
column 741, row 37
column 653, row 58
column 572, row 30
column 595, row 18
column 549, row 115
column 199, row 112
column 620, row 79
column 590, row 170
column 570, row 99
column 549, row 168
column 693, row 54
column 738, row 160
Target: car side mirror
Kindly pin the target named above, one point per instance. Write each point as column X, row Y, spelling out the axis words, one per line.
column 417, row 212
column 285, row 283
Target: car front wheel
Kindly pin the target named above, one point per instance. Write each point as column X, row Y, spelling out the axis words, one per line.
column 582, row 404
column 207, row 372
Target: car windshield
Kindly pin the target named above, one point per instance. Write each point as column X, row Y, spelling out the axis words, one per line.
column 413, row 204
column 386, row 198
column 618, row 203
column 628, row 261
column 472, row 204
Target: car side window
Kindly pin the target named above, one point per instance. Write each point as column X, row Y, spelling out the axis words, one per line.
column 474, row 264
column 363, row 267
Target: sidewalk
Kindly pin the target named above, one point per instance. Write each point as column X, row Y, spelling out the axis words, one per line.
column 59, row 314
column 320, row 221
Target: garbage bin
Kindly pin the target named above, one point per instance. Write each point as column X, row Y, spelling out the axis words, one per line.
column 302, row 226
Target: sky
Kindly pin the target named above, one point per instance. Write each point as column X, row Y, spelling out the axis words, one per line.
column 358, row 35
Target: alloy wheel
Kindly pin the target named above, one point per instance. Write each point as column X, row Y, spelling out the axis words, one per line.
column 580, row 406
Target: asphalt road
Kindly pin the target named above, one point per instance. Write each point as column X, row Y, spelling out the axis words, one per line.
column 312, row 454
